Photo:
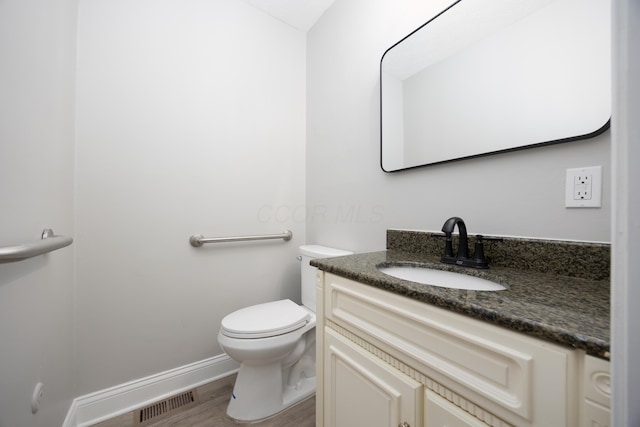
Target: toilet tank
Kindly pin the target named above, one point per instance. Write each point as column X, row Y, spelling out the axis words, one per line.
column 308, row 272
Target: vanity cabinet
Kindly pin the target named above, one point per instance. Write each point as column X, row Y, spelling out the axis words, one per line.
column 388, row 360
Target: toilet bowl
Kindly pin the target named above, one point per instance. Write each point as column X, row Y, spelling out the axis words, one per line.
column 275, row 345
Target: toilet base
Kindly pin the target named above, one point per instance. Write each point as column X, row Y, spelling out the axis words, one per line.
column 259, row 393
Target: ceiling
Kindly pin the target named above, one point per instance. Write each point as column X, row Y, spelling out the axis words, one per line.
column 300, row 14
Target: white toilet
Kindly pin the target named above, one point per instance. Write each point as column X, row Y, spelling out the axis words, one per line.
column 275, row 345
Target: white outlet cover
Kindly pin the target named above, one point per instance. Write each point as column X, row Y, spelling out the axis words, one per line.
column 595, row 201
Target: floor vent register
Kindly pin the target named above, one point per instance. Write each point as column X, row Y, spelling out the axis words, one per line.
column 165, row 408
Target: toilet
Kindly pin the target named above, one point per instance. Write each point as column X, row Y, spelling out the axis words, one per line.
column 275, row 345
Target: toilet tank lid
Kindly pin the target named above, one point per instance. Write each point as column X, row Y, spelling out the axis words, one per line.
column 317, row 251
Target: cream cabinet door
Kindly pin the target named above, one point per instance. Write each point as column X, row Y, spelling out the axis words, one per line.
column 362, row 390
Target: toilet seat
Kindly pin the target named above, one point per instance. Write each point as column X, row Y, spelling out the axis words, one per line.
column 265, row 320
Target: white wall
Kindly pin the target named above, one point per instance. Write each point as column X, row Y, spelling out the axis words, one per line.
column 37, row 47
column 351, row 202
column 191, row 118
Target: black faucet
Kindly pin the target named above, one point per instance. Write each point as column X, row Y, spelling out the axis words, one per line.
column 462, row 257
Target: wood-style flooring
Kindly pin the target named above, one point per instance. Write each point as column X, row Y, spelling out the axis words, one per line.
column 211, row 412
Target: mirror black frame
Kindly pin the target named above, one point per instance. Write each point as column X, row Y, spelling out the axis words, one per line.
column 589, row 135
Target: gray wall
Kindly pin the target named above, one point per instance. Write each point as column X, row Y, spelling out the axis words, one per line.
column 191, row 120
column 37, row 47
column 351, row 202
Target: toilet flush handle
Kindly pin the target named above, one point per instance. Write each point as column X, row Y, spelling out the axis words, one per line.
column 299, row 258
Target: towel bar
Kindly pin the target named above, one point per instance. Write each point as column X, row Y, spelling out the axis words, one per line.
column 198, row 240
column 48, row 242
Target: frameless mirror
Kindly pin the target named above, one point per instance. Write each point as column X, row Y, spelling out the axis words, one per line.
column 488, row 77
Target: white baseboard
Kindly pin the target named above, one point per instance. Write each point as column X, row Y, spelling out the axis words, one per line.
column 102, row 405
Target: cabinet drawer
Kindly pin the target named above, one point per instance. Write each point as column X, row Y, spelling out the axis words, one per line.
column 596, row 415
column 501, row 370
column 438, row 412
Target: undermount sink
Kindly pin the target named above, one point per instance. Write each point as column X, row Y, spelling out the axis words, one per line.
column 440, row 278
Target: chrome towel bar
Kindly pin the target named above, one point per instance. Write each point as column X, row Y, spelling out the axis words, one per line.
column 198, row 240
column 48, row 242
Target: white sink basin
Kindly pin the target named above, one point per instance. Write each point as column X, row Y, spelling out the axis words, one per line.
column 443, row 279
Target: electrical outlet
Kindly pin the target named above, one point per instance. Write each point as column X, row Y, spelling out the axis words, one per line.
column 582, row 184
column 584, row 187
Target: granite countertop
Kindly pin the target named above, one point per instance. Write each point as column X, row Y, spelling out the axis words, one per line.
column 566, row 310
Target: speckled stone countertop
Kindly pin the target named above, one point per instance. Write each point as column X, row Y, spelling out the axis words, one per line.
column 560, row 308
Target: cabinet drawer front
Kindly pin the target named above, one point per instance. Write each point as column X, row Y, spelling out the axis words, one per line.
column 438, row 412
column 596, row 415
column 459, row 352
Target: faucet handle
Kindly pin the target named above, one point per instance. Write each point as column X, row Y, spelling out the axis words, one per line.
column 478, row 252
